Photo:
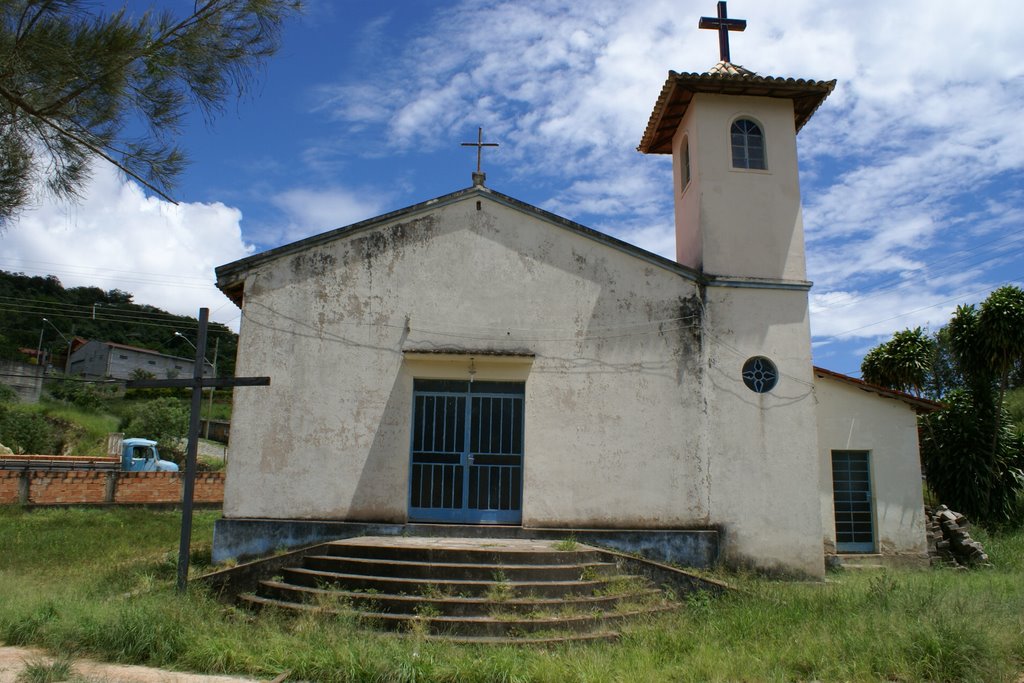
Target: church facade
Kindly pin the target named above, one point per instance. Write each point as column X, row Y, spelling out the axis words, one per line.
column 474, row 360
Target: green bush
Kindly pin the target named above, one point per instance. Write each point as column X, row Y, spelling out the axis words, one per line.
column 83, row 395
column 1015, row 407
column 163, row 419
column 27, row 432
column 981, row 483
column 8, row 394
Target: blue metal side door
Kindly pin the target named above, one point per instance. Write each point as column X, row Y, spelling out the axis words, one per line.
column 851, row 491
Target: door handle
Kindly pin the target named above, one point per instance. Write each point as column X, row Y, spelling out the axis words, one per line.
column 469, row 459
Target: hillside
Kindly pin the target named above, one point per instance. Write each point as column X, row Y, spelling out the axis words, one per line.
column 93, row 313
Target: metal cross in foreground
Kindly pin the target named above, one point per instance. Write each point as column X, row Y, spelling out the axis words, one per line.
column 723, row 24
column 197, row 383
column 479, row 176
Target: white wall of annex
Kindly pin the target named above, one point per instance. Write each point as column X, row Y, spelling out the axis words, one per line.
column 850, row 418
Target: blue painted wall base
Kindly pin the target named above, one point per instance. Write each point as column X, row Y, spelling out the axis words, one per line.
column 248, row 538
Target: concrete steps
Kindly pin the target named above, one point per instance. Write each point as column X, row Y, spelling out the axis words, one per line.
column 479, row 590
column 860, row 561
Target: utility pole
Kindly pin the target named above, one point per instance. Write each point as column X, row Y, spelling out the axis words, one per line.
column 209, row 410
column 67, row 359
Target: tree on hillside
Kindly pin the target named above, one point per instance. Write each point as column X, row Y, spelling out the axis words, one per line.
column 92, row 313
column 74, row 83
column 971, row 451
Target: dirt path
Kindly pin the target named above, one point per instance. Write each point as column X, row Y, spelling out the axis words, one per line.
column 14, row 659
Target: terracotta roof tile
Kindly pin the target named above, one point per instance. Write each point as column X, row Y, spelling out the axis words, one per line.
column 725, row 78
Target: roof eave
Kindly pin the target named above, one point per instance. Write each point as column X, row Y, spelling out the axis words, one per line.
column 231, row 276
column 921, row 405
column 679, row 89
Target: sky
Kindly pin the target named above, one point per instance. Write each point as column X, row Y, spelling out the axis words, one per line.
column 912, row 171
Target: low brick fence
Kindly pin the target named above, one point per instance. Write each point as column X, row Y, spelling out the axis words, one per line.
column 38, row 487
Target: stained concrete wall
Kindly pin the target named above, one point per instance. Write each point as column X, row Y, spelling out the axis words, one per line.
column 763, row 467
column 611, row 391
column 625, row 429
column 25, row 379
column 850, row 418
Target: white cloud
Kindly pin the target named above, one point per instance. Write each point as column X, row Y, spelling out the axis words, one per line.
column 117, row 238
column 310, row 212
column 921, row 126
column 911, row 171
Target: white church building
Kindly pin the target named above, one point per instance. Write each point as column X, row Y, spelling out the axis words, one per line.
column 474, row 360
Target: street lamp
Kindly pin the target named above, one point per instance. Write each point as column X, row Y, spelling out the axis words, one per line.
column 67, row 359
column 179, row 334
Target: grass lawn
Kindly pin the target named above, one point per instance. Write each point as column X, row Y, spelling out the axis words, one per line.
column 99, row 583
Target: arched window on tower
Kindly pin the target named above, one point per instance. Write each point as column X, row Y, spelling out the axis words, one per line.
column 747, row 145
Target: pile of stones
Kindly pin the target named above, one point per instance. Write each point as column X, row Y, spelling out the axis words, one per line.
column 949, row 540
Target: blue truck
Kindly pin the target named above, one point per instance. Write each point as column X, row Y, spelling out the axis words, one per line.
column 137, row 455
column 141, row 455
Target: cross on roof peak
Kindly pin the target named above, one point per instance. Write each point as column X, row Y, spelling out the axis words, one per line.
column 723, row 24
column 479, row 176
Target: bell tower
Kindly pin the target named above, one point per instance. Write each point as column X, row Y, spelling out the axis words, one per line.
column 732, row 137
column 736, row 189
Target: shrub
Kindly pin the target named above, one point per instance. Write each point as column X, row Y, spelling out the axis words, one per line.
column 83, row 395
column 8, row 394
column 25, row 432
column 163, row 419
column 981, row 483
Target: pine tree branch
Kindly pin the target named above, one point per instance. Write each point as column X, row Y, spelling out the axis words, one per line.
column 80, row 140
column 165, row 39
column 22, row 31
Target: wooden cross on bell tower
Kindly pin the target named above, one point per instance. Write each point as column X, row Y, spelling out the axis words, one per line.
column 723, row 24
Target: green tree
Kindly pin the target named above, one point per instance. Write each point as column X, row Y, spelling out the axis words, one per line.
column 163, row 419
column 901, row 363
column 74, row 83
column 961, row 468
column 972, row 454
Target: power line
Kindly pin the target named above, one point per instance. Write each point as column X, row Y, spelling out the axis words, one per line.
column 106, row 313
column 918, row 310
column 928, row 271
column 106, row 273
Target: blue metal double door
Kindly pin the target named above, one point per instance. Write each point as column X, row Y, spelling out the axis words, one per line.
column 467, row 452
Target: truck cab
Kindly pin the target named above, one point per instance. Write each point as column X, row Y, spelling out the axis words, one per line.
column 141, row 455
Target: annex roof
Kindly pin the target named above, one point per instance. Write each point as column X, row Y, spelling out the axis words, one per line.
column 921, row 405
column 725, row 78
column 138, row 349
column 231, row 276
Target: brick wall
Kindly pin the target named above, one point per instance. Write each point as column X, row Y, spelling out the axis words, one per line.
column 209, row 487
column 49, row 488
column 148, row 487
column 89, row 488
column 10, row 482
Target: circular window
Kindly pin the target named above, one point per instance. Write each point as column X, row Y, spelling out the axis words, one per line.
column 760, row 374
